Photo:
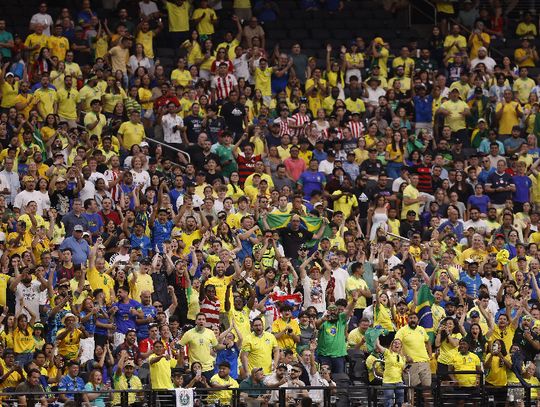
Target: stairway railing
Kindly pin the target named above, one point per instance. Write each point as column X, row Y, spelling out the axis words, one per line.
column 414, row 6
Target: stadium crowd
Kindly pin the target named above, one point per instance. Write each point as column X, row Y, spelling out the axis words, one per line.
column 258, row 218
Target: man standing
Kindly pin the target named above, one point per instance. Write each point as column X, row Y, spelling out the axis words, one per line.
column 28, row 195
column 332, row 342
column 455, row 112
column 172, row 124
column 258, row 349
column 6, row 41
column 66, row 102
column 417, row 350
column 412, row 198
column 500, row 185
column 201, row 342
column 223, row 84
column 235, row 114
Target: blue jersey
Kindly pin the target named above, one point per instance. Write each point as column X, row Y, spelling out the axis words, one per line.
column 231, row 356
column 100, row 317
column 142, row 329
column 123, row 318
column 90, row 324
column 160, row 233
column 142, row 243
column 312, row 181
column 472, row 283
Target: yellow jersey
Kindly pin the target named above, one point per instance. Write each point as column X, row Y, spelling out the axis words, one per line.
column 286, row 341
column 9, row 94
column 132, row 133
column 200, row 345
column 67, row 103
column 205, row 25
column 24, row 343
column 263, row 81
column 147, row 41
column 468, row 362
column 413, row 341
column 58, row 46
column 181, row 77
column 46, row 98
column 259, row 349
column 394, row 363
column 69, row 346
column 224, row 396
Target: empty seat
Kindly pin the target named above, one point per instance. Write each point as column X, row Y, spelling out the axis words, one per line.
column 298, row 34
column 312, row 43
column 165, row 52
column 277, row 34
column 342, row 34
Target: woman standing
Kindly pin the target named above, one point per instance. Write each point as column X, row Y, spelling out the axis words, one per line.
column 394, row 364
column 395, row 152
column 447, row 340
column 377, row 217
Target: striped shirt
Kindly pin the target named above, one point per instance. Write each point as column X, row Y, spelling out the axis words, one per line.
column 339, row 133
column 356, row 128
column 246, row 166
column 211, row 310
column 111, row 176
column 300, row 120
column 283, row 126
column 224, row 86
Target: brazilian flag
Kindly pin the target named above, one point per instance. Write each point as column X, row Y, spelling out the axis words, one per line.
column 423, row 310
column 309, row 223
column 38, row 140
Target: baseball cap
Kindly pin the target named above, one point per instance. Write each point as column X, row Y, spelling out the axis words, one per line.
column 28, row 178
column 475, row 314
column 78, row 228
column 144, row 144
column 500, row 236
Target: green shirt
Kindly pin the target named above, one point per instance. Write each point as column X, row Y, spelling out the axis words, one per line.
column 226, row 157
column 5, row 37
column 248, row 384
column 332, row 341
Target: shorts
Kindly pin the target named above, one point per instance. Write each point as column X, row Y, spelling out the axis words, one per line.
column 515, row 394
column 419, row 374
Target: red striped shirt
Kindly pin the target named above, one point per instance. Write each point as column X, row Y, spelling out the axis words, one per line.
column 356, row 128
column 246, row 166
column 224, row 86
column 211, row 310
column 300, row 120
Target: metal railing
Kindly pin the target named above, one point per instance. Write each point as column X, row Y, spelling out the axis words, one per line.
column 165, row 145
column 413, row 6
column 358, row 394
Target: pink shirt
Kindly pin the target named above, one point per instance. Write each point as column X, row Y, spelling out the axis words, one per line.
column 295, row 167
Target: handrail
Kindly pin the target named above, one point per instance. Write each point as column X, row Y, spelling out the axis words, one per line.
column 170, row 147
column 411, row 6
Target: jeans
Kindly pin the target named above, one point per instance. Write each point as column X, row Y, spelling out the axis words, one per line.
column 391, row 390
column 337, row 365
